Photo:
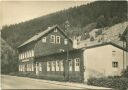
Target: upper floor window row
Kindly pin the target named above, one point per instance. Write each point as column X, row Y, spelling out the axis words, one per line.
column 55, row 39
column 26, row 54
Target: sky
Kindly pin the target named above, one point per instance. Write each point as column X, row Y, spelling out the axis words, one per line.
column 17, row 11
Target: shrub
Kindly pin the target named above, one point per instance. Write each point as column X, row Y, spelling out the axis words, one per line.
column 110, row 82
column 92, row 38
column 125, row 73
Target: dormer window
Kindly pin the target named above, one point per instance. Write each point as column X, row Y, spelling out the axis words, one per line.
column 52, row 38
column 44, row 39
column 55, row 30
column 58, row 39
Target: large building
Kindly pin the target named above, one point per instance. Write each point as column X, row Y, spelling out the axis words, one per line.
column 52, row 54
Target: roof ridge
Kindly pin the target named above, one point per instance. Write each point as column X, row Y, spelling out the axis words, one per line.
column 37, row 35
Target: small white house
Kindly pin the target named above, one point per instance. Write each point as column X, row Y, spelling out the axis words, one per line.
column 104, row 59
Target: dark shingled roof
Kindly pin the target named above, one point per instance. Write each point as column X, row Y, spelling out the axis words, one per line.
column 37, row 36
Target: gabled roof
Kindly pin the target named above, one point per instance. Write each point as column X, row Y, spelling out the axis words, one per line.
column 118, row 44
column 37, row 36
column 111, row 36
column 114, row 32
column 126, row 31
column 84, row 44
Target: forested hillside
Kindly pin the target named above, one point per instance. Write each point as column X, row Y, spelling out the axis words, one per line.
column 81, row 19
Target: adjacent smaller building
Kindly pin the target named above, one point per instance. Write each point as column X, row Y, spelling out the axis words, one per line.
column 104, row 59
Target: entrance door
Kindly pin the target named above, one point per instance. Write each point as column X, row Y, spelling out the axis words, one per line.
column 37, row 68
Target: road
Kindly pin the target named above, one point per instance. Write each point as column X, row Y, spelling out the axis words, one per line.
column 14, row 82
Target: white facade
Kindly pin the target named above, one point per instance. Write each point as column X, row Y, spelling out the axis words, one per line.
column 98, row 61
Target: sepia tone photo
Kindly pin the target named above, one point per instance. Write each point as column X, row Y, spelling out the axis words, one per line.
column 64, row 44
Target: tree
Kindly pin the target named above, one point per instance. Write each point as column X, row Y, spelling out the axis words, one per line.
column 9, row 60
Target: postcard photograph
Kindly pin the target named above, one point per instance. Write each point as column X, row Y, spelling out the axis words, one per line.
column 64, row 44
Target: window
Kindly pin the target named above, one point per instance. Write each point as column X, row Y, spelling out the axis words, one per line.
column 55, row 30
column 77, row 64
column 44, row 39
column 65, row 41
column 23, row 55
column 23, row 68
column 57, row 65
column 53, row 65
column 48, row 66
column 115, row 64
column 32, row 67
column 70, row 65
column 52, row 38
column 61, row 66
column 19, row 56
column 40, row 67
column 32, row 53
column 27, row 67
column 58, row 39
column 26, row 54
column 19, row 68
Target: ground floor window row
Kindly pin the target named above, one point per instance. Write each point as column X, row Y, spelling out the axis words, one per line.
column 58, row 65
column 74, row 63
column 26, row 67
column 39, row 66
column 55, row 65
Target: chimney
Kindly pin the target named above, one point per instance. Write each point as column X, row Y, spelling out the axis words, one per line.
column 49, row 27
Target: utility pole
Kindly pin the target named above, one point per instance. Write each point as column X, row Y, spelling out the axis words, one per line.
column 67, row 25
column 124, row 38
column 123, row 55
